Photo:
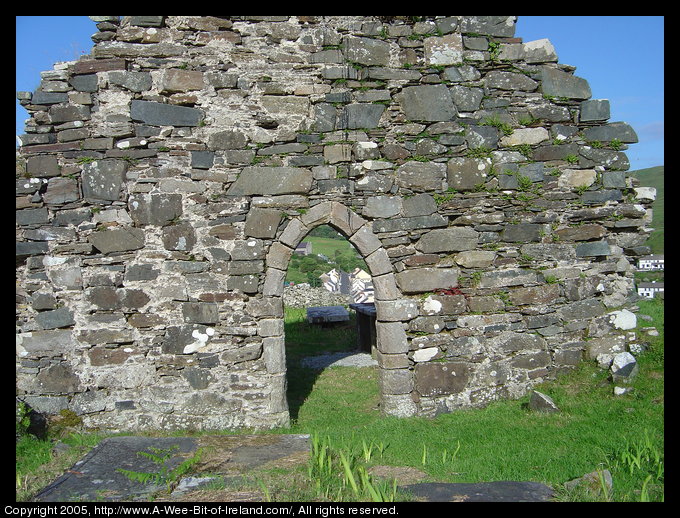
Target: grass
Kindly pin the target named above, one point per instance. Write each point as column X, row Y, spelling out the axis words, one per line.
column 595, row 430
column 654, row 177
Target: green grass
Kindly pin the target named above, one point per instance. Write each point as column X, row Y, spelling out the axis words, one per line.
column 504, row 441
column 654, row 177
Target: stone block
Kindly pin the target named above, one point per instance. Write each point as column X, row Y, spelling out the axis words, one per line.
column 117, row 240
column 428, row 103
column 365, row 241
column 475, row 258
column 385, row 287
column 422, row 280
column 396, row 381
column 525, row 136
column 274, row 354
column 159, row 114
column 360, row 115
column 366, row 51
column 293, row 233
column 133, row 81
column 200, row 313
column 243, row 283
column 391, row 337
column 273, row 283
column 271, row 181
column 595, row 110
column 524, row 232
column 453, row 239
column 545, row 294
column 53, row 342
column 102, row 179
column 396, row 310
column 621, row 131
column 510, row 81
column 557, row 83
column 175, row 80
column 624, row 367
column 441, row 379
column 573, row 178
column 155, row 209
column 84, row 82
column 61, row 190
column 262, row 223
column 68, row 113
column 286, row 105
column 413, row 223
column 464, row 174
column 444, row 50
column 279, row 256
column 58, row 379
column 593, row 249
column 419, row 205
column 421, row 176
column 227, row 139
column 540, row 402
column 379, row 262
column 247, row 250
column 180, row 237
column 399, row 405
column 54, row 319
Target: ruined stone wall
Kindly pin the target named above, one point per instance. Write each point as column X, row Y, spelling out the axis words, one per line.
column 164, row 181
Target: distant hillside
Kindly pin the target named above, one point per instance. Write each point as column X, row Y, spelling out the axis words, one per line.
column 653, row 177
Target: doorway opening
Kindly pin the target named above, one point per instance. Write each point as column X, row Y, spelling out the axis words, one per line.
column 326, row 278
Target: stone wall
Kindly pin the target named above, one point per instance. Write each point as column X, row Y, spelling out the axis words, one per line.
column 164, row 181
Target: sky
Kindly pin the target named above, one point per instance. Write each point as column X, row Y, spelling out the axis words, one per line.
column 621, row 57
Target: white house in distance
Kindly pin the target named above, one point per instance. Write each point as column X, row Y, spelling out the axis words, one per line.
column 357, row 284
column 649, row 289
column 651, row 262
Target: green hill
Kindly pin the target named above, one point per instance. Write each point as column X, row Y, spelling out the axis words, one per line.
column 339, row 251
column 653, row 177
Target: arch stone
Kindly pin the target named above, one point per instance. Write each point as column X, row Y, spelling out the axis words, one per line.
column 165, row 179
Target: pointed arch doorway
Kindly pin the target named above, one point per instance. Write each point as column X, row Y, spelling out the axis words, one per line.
column 395, row 377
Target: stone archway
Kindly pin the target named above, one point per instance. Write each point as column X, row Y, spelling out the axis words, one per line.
column 395, row 377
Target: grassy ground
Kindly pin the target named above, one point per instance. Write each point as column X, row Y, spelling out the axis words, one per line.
column 654, row 177
column 504, row 441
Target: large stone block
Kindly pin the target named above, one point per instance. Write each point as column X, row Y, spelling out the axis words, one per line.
column 422, row 280
column 262, row 223
column 102, row 179
column 391, row 337
column 271, row 181
column 421, row 176
column 117, row 240
column 440, row 379
column 557, row 83
column 61, row 190
column 155, row 209
column 464, row 174
column 454, row 239
column 366, row 51
column 176, row 80
column 159, row 114
column 360, row 115
column 428, row 103
column 444, row 50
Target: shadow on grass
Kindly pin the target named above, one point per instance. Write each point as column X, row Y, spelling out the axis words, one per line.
column 305, row 340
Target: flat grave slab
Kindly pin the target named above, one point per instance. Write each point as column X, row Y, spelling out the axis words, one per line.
column 327, row 314
column 96, row 477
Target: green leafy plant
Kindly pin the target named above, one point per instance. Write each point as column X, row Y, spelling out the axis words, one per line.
column 164, row 475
